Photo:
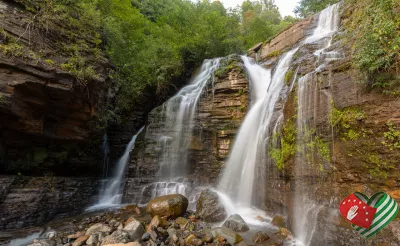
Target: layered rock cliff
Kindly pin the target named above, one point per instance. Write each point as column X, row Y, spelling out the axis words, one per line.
column 49, row 111
column 50, row 117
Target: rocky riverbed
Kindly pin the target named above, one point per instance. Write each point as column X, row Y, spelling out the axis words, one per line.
column 164, row 221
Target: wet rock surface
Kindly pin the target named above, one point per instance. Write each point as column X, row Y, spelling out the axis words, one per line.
column 209, row 207
column 260, row 237
column 236, row 223
column 169, row 206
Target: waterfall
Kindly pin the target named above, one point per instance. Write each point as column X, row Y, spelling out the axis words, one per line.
column 172, row 129
column 111, row 195
column 249, row 148
column 306, row 210
column 179, row 114
column 245, row 167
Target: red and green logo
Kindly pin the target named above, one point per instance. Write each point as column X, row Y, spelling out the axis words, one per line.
column 369, row 215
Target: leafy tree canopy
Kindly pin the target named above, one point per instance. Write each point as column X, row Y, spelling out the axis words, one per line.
column 309, row 7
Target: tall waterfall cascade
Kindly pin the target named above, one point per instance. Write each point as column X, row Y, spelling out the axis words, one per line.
column 243, row 175
column 111, row 194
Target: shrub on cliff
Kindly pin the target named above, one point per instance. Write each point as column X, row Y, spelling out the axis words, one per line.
column 373, row 31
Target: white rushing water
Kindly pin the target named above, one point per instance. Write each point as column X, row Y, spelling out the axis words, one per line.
column 178, row 116
column 238, row 178
column 111, row 195
column 173, row 128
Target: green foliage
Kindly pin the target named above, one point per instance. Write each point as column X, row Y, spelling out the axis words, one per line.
column 287, row 145
column 309, row 7
column 346, row 121
column 289, row 76
column 373, row 31
column 392, row 137
column 9, row 45
column 313, row 148
column 13, row 49
column 276, row 53
column 378, row 167
column 152, row 43
column 49, row 61
column 260, row 20
column 227, row 65
column 78, row 67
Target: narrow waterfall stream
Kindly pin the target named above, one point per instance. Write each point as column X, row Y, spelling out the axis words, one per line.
column 172, row 129
column 178, row 115
column 111, row 195
column 305, row 208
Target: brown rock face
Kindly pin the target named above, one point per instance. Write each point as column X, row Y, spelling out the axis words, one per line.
column 169, row 206
column 31, row 201
column 286, row 39
column 47, row 116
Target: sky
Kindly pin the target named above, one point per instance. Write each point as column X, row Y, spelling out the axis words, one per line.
column 285, row 6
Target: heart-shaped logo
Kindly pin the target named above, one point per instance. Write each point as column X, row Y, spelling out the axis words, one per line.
column 369, row 215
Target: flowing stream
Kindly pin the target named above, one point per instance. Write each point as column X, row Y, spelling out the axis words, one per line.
column 111, row 195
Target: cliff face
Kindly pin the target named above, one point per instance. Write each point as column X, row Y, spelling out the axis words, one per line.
column 49, row 113
column 219, row 116
column 50, row 119
column 356, row 123
column 33, row 201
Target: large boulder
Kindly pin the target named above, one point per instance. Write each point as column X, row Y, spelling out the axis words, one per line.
column 228, row 234
column 209, row 207
column 236, row 223
column 169, row 206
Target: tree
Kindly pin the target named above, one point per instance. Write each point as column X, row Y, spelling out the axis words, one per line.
column 309, row 7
